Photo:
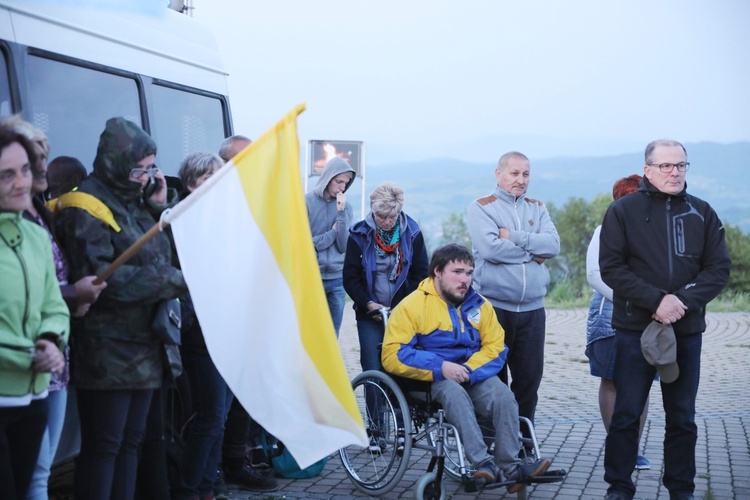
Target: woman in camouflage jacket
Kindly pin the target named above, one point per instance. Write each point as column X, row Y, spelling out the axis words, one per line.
column 116, row 361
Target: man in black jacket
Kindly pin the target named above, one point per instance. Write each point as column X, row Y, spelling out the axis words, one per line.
column 664, row 254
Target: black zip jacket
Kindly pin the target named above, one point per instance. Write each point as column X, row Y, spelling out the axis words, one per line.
column 653, row 244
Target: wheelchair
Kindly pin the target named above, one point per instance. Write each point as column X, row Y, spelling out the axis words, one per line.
column 400, row 419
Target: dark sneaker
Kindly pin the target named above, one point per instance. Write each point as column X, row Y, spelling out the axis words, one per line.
column 220, row 488
column 487, row 471
column 642, row 463
column 523, row 472
column 400, row 441
column 258, row 459
column 617, row 495
column 252, row 480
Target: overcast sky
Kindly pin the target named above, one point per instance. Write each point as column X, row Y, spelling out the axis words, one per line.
column 431, row 73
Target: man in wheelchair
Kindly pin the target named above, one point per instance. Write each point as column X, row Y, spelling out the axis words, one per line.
column 447, row 334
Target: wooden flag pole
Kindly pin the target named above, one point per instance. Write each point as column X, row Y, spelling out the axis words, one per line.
column 127, row 254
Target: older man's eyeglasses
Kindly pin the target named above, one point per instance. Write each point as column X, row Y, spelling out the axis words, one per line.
column 137, row 173
column 666, row 168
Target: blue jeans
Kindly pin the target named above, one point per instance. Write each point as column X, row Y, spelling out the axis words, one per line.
column 370, row 345
column 57, row 401
column 113, row 424
column 633, row 379
column 211, row 401
column 524, row 336
column 336, row 297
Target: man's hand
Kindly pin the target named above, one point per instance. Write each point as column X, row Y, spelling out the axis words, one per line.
column 503, row 233
column 538, row 260
column 340, row 202
column 671, row 309
column 86, row 291
column 47, row 357
column 455, row 372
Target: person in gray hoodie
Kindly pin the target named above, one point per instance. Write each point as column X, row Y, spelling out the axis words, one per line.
column 512, row 236
column 330, row 216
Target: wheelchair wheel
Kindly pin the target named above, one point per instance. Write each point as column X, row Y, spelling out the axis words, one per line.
column 428, row 488
column 377, row 469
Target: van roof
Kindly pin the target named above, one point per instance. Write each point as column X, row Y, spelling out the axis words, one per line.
column 185, row 49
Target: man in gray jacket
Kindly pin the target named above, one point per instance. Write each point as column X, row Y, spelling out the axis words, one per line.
column 512, row 236
column 330, row 216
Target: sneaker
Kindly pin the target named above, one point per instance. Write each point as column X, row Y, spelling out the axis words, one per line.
column 400, row 441
column 642, row 463
column 378, row 445
column 252, row 480
column 487, row 471
column 523, row 472
column 258, row 459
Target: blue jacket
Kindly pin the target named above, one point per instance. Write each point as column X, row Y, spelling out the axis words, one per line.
column 360, row 263
column 424, row 330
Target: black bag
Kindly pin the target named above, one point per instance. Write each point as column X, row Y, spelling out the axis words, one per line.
column 167, row 322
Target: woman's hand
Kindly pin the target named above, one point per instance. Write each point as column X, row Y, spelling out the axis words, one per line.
column 47, row 357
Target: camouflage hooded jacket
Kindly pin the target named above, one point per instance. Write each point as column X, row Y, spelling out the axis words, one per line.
column 112, row 346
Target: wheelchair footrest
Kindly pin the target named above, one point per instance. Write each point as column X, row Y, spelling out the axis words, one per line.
column 471, row 485
column 551, row 476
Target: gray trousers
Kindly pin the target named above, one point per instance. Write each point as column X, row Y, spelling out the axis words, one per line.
column 491, row 401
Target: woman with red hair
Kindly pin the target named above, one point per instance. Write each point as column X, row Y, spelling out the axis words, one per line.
column 600, row 337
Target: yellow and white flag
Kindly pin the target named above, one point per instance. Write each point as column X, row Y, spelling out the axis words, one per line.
column 246, row 251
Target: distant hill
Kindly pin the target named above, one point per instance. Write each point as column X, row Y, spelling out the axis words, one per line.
column 719, row 173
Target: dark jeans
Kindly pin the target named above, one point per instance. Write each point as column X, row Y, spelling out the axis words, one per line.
column 240, row 431
column 113, row 424
column 370, row 346
column 633, row 379
column 153, row 477
column 336, row 297
column 21, row 431
column 524, row 336
column 211, row 401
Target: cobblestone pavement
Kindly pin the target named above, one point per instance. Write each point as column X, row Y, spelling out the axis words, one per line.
column 570, row 430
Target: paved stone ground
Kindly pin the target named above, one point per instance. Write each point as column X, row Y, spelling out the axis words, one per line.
column 569, row 426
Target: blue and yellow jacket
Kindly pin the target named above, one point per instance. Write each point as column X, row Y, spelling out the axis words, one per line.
column 424, row 330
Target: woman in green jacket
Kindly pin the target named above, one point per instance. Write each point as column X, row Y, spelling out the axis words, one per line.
column 34, row 320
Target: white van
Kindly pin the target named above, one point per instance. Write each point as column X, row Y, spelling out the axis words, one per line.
column 67, row 69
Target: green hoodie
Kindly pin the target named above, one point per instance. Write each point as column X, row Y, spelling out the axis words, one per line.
column 30, row 304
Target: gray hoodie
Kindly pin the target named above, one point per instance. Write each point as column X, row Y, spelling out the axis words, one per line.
column 330, row 244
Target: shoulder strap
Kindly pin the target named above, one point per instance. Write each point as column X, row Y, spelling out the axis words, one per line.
column 87, row 202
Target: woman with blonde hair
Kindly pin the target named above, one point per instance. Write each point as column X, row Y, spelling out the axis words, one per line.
column 385, row 261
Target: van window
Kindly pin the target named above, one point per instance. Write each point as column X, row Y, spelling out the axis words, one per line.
column 72, row 103
column 184, row 122
column 5, row 107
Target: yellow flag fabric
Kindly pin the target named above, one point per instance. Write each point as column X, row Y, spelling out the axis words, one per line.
column 246, row 251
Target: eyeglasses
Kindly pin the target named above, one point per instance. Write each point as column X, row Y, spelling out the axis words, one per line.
column 666, row 168
column 137, row 173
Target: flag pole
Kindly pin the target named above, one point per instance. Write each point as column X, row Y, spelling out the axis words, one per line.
column 172, row 213
column 131, row 250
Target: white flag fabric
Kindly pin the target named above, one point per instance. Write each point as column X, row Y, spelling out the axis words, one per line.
column 246, row 251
